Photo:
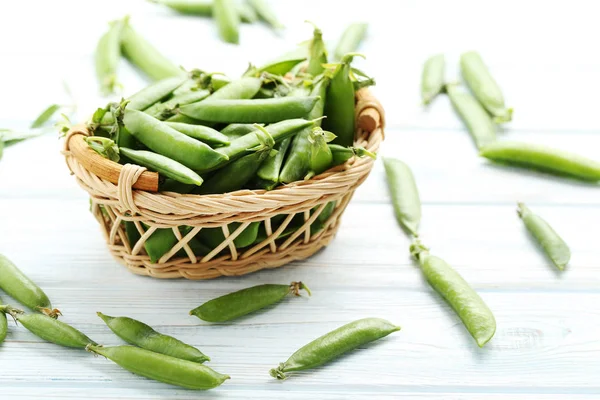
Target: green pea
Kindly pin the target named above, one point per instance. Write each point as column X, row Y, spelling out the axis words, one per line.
column 341, row 154
column 52, row 330
column 334, row 344
column 145, row 56
column 555, row 248
column 265, row 13
column 543, row 158
column 228, row 20
column 141, row 335
column 167, row 109
column 433, row 79
column 162, row 368
column 18, row 286
column 339, row 103
column 243, row 302
column 351, row 39
column 404, row 193
column 236, row 131
column 163, row 139
column 317, row 53
column 270, row 168
column 3, row 324
column 108, row 54
column 250, row 111
column 478, row 121
column 205, row 134
column 484, row 87
column 470, row 308
column 163, row 165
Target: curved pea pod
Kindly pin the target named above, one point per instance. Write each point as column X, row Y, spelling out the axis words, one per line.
column 154, row 93
column 433, row 79
column 341, row 154
column 265, row 13
column 543, row 158
column 245, row 301
column 404, row 193
column 339, row 103
column 162, row 368
column 203, row 133
column 167, row 109
column 190, row 7
column 163, row 139
column 213, row 237
column 334, row 344
column 163, row 165
column 317, row 53
column 234, row 176
column 53, row 330
column 268, row 173
column 474, row 116
column 18, row 286
column 3, row 324
column 351, row 39
column 555, row 248
column 484, row 87
column 141, row 335
column 145, row 56
column 228, row 20
column 236, row 131
column 243, row 88
column 108, row 54
column 250, row 111
column 320, row 157
column 470, row 308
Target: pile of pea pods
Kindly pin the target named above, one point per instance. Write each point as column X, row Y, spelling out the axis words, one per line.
column 287, row 120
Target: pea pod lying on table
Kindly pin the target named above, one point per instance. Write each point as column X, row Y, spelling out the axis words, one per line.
column 334, row 344
column 405, row 195
column 162, row 368
column 141, row 335
column 432, row 79
column 245, row 301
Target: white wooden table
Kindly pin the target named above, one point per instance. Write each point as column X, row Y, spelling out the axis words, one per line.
column 547, row 344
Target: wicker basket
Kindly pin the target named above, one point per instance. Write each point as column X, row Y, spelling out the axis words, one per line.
column 129, row 193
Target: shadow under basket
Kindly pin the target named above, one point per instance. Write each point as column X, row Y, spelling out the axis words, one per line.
column 292, row 221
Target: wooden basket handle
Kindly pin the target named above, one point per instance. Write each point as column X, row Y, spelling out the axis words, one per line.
column 100, row 166
column 369, row 111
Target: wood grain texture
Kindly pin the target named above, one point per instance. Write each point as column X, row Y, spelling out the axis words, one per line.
column 546, row 346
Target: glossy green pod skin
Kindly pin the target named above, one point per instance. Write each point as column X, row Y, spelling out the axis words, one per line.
column 163, row 165
column 243, row 88
column 53, row 330
column 317, row 54
column 243, row 302
column 139, row 334
column 145, row 56
column 433, row 78
column 162, row 368
column 351, row 39
column 477, row 120
column 163, row 240
column 339, row 104
column 250, row 111
column 213, row 237
column 233, row 176
column 167, row 109
column 553, row 245
column 236, row 131
column 228, row 20
column 546, row 159
column 270, row 168
column 203, row 133
column 334, row 344
column 18, row 286
column 154, row 93
column 108, row 54
column 484, row 87
column 404, row 193
column 470, row 308
column 265, row 13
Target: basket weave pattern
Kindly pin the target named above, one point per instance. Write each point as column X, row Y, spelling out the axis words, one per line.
column 115, row 203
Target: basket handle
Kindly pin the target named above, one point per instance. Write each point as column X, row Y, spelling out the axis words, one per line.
column 369, row 111
column 100, row 166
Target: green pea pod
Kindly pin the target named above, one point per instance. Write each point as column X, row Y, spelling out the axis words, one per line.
column 470, row 308
column 321, row 157
column 334, row 344
column 167, row 109
column 270, row 168
column 555, row 248
column 236, row 131
column 162, row 368
column 317, row 53
column 243, row 88
column 145, row 56
column 351, row 39
column 45, row 116
column 296, row 165
column 276, row 67
column 18, row 286
column 476, row 119
column 218, row 81
column 133, row 235
column 171, row 185
column 543, row 158
column 189, row 7
column 141, row 335
column 163, row 139
column 205, row 134
column 265, row 13
column 163, row 240
column 246, row 12
column 213, row 237
column 154, row 93
column 339, row 103
column 433, row 79
column 52, row 330
column 3, row 324
column 108, row 54
column 250, row 111
column 319, row 223
column 341, row 154
column 233, row 176
column 484, row 87
column 163, row 165
column 243, row 302
column 405, row 195
column 228, row 20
